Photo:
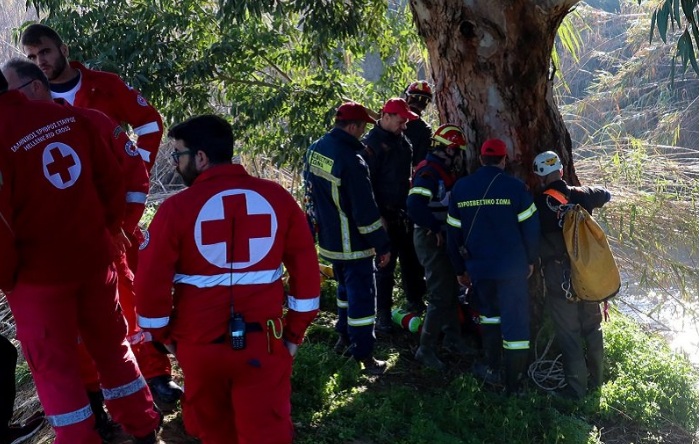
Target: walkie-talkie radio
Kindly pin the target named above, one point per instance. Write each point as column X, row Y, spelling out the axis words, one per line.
column 236, row 324
column 236, row 330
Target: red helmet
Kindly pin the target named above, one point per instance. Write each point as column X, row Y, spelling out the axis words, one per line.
column 450, row 136
column 419, row 88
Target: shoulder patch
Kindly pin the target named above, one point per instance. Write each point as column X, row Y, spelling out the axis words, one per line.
column 146, row 240
column 131, row 149
column 141, row 101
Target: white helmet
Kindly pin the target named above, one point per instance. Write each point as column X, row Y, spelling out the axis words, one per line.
column 546, row 163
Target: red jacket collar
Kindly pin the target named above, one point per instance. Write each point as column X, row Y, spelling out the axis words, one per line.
column 221, row 170
column 13, row 97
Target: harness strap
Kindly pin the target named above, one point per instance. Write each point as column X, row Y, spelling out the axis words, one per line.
column 449, row 179
column 559, row 196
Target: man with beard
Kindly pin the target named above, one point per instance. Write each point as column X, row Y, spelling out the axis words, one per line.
column 106, row 92
column 224, row 242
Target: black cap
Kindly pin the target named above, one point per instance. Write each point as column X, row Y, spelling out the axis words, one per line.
column 3, row 83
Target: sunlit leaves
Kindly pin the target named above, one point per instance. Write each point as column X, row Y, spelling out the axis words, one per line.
column 668, row 13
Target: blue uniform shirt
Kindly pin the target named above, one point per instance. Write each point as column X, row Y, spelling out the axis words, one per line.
column 505, row 229
column 346, row 212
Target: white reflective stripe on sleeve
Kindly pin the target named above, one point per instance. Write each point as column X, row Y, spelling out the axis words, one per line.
column 149, row 128
column 303, row 305
column 145, row 322
column 145, row 154
column 370, row 228
column 70, row 418
column 527, row 213
column 342, row 304
column 422, row 191
column 136, row 197
column 124, row 390
column 453, row 222
column 228, row 279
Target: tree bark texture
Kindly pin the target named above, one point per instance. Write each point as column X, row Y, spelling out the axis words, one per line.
column 491, row 65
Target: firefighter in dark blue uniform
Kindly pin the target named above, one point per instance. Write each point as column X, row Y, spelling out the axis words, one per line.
column 418, row 95
column 389, row 157
column 493, row 239
column 576, row 323
column 427, row 207
column 350, row 231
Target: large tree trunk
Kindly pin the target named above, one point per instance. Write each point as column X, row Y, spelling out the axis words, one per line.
column 491, row 64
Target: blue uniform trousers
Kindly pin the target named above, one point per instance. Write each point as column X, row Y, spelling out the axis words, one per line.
column 356, row 299
column 504, row 311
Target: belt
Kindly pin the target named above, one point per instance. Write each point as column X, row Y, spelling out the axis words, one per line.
column 250, row 327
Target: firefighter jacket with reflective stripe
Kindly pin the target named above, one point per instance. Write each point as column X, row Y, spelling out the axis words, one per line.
column 505, row 229
column 347, row 215
column 221, row 244
column 389, row 158
column 427, row 201
column 62, row 192
column 419, row 133
column 133, row 169
column 108, row 93
column 551, row 213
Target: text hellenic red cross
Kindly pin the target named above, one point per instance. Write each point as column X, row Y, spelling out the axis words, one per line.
column 60, row 165
column 236, row 219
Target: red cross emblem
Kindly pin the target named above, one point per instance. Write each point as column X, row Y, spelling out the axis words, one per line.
column 62, row 165
column 235, row 228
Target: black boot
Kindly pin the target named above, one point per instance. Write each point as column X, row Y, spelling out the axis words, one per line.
column 493, row 345
column 105, row 426
column 516, row 370
column 427, row 352
column 384, row 324
column 373, row 366
column 165, row 389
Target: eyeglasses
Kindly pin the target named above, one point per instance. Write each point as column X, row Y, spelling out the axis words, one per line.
column 175, row 155
column 25, row 83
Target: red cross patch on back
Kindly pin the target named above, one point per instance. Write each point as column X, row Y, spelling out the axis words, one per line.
column 235, row 229
column 61, row 164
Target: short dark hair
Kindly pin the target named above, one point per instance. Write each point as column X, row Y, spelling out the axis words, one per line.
column 27, row 70
column 491, row 160
column 208, row 133
column 32, row 34
column 346, row 123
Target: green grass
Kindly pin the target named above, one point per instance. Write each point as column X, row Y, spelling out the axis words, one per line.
column 648, row 391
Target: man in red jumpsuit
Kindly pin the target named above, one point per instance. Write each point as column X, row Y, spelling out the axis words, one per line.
column 106, row 92
column 222, row 244
column 62, row 201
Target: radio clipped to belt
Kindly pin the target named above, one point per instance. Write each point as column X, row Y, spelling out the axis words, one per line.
column 236, row 324
column 236, row 330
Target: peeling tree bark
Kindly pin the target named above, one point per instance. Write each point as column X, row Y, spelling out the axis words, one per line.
column 491, row 64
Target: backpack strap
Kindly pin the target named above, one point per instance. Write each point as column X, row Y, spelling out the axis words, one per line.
column 446, row 177
column 559, row 196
